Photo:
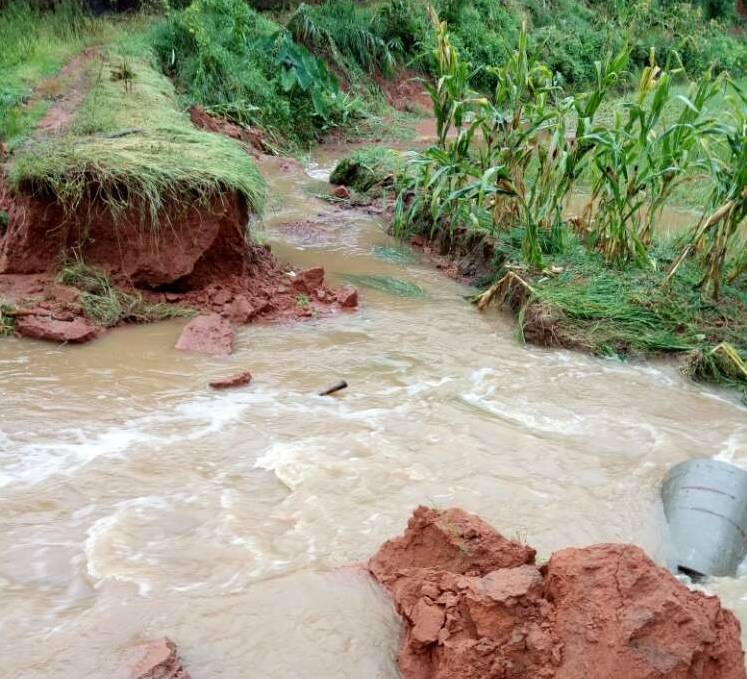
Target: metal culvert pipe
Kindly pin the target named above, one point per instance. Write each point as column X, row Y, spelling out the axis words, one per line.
column 705, row 503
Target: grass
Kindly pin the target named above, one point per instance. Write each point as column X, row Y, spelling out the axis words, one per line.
column 131, row 146
column 368, row 168
column 387, row 284
column 580, row 302
column 7, row 320
column 246, row 67
column 35, row 44
column 106, row 305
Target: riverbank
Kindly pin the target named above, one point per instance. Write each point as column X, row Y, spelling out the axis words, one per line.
column 118, row 208
column 492, row 202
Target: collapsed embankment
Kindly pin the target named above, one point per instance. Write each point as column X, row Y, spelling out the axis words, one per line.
column 475, row 605
column 128, row 205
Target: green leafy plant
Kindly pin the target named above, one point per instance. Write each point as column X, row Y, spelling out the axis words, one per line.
column 718, row 233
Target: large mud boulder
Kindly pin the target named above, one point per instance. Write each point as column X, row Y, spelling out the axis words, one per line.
column 619, row 615
column 474, row 606
column 45, row 327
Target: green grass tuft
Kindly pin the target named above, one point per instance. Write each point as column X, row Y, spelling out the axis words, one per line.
column 387, row 284
column 130, row 145
column 368, row 168
column 104, row 304
column 7, row 320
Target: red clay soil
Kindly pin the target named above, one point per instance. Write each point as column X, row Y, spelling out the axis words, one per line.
column 253, row 138
column 475, row 606
column 405, row 91
column 158, row 660
column 198, row 258
column 237, row 380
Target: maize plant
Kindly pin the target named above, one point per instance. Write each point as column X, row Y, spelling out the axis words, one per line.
column 639, row 161
column 717, row 236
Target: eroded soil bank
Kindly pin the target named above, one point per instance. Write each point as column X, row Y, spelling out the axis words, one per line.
column 82, row 250
column 199, row 259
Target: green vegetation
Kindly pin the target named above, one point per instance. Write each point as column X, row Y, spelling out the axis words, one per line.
column 131, row 147
column 103, row 303
column 505, row 166
column 243, row 66
column 7, row 319
column 567, row 35
column 387, row 284
column 368, row 168
column 347, row 34
column 35, row 44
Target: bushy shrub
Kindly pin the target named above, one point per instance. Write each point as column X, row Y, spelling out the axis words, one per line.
column 345, row 33
column 238, row 63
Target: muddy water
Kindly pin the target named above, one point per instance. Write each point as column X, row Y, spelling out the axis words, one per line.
column 136, row 502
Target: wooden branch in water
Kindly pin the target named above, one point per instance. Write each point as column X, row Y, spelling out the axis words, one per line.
column 337, row 386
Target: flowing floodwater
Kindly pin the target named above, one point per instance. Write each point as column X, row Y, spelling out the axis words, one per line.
column 138, row 503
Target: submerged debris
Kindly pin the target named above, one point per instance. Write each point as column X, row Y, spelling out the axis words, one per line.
column 387, row 284
column 337, row 386
column 207, row 334
column 158, row 660
column 238, row 380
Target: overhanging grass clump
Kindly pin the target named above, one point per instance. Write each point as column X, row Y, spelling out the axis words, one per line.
column 368, row 168
column 129, row 145
column 106, row 305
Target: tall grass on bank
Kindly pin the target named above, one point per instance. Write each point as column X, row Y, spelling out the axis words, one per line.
column 346, row 33
column 132, row 147
column 34, row 44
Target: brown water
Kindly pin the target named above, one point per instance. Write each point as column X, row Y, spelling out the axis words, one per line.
column 137, row 503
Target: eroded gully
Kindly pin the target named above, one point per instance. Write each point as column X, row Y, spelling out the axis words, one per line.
column 137, row 503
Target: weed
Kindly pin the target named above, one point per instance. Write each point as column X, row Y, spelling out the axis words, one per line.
column 303, row 301
column 387, row 284
column 103, row 303
column 246, row 67
column 7, row 319
column 368, row 168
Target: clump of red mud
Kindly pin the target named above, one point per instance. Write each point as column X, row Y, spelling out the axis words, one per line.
column 158, row 660
column 475, row 606
column 252, row 137
column 198, row 258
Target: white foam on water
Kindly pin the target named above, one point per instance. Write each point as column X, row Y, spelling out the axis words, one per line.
column 317, row 171
column 72, row 448
column 492, row 396
column 735, row 445
column 106, row 548
column 293, row 463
